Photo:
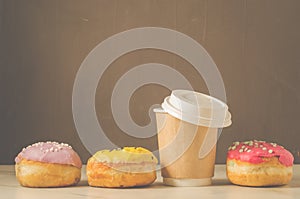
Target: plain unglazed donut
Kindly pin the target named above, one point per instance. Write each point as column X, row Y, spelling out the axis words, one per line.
column 126, row 167
column 48, row 164
column 258, row 163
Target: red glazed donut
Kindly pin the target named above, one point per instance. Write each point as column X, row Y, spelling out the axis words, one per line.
column 258, row 163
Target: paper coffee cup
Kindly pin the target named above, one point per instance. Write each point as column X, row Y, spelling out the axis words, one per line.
column 188, row 125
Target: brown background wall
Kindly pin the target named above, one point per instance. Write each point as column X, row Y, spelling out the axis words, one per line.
column 255, row 44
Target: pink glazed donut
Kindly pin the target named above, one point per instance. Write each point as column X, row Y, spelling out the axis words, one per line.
column 258, row 163
column 48, row 164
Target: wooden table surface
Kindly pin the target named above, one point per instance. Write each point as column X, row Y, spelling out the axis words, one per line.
column 221, row 189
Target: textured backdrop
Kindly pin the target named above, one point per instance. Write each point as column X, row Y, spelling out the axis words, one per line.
column 255, row 44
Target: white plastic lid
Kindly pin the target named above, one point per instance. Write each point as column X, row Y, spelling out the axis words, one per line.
column 197, row 108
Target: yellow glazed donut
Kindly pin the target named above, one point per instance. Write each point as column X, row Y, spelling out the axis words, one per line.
column 126, row 167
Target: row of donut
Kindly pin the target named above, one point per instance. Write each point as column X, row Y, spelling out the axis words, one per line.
column 53, row 164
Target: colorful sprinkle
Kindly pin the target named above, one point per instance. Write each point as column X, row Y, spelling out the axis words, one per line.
column 270, row 151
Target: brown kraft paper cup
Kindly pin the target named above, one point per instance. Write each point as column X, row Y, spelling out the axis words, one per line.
column 179, row 144
column 188, row 124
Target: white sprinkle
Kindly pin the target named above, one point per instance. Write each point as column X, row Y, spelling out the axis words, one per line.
column 264, row 148
column 274, row 144
column 249, row 151
column 229, row 148
column 51, row 149
column 241, row 150
column 243, row 146
column 234, row 147
column 56, row 150
column 237, row 143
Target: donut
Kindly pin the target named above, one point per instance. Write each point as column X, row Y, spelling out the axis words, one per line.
column 48, row 164
column 126, row 167
column 259, row 163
